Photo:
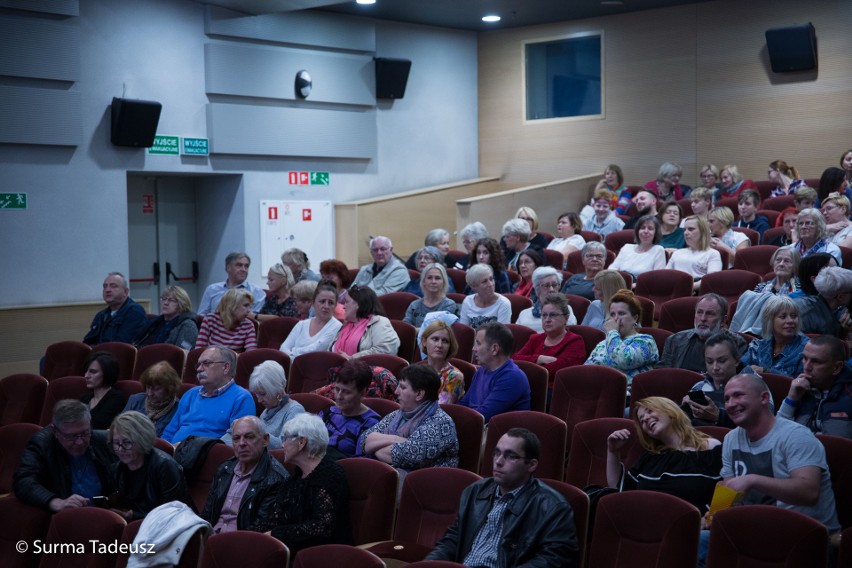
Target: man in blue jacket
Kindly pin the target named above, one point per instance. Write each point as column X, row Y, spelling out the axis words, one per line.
column 122, row 319
column 821, row 397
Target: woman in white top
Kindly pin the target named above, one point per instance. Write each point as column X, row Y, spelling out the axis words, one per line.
column 698, row 259
column 646, row 254
column 835, row 209
column 607, row 284
column 316, row 333
column 722, row 237
column 546, row 281
column 484, row 304
column 568, row 239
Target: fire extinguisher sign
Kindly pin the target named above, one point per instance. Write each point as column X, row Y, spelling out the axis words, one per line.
column 272, row 213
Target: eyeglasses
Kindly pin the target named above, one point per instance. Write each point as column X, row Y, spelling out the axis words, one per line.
column 72, row 437
column 551, row 315
column 550, row 285
column 125, row 445
column 805, row 223
column 594, row 256
column 508, row 456
column 292, row 437
column 168, row 300
column 207, row 364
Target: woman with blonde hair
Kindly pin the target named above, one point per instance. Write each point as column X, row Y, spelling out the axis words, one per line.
column 835, row 209
column 607, row 283
column 536, row 240
column 678, row 459
column 229, row 325
column 722, row 236
column 697, row 259
column 279, row 299
column 785, row 176
column 709, row 176
column 733, row 183
column 176, row 323
column 438, row 343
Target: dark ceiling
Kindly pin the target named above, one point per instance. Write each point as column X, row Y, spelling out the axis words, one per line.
column 458, row 14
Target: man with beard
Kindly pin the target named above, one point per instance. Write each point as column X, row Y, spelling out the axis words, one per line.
column 685, row 349
column 646, row 204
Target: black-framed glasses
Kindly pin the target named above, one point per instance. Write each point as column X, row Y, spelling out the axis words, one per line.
column 72, row 437
column 168, row 300
column 509, row 456
column 207, row 364
column 126, row 445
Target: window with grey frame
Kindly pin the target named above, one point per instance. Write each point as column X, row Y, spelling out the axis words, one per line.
column 564, row 77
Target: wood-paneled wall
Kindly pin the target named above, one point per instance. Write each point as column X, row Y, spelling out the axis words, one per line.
column 690, row 84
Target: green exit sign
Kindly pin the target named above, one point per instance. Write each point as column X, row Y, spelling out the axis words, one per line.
column 165, row 145
column 319, row 178
column 13, row 200
column 195, row 147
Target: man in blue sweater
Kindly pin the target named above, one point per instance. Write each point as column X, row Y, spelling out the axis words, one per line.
column 209, row 409
column 499, row 385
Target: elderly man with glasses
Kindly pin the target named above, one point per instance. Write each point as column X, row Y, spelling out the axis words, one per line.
column 66, row 464
column 512, row 518
column 209, row 409
column 387, row 273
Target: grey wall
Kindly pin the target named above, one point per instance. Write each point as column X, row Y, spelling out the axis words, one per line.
column 75, row 230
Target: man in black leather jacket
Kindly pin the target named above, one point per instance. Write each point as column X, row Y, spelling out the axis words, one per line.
column 512, row 519
column 66, row 464
column 253, row 473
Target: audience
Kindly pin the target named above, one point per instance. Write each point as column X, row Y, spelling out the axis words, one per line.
column 470, row 235
column 722, row 237
column 426, row 256
column 835, row 209
column 624, row 349
column 499, row 385
column 722, row 360
column 65, row 464
column 516, row 234
column 297, row 261
column 159, row 402
column 303, row 292
column 613, row 181
column 434, row 286
column 646, row 204
column 529, row 524
column 387, row 273
column 677, row 459
column 269, row 386
column 671, row 233
column 827, row 312
column 420, row 434
column 122, row 319
column 607, row 283
column 820, row 396
column 785, row 264
column 209, row 409
column 237, row 266
column 780, row 350
column 810, row 226
column 313, row 504
column 279, row 298
column 748, row 203
column 485, row 304
column 732, row 183
column 336, row 271
column 594, row 259
column 804, row 198
column 709, row 175
column 536, row 240
column 785, row 177
column 528, row 261
column 245, row 488
column 568, row 228
column 316, row 333
column 786, row 219
column 349, row 417
column 487, row 251
column 437, row 239
column 366, row 329
column 144, row 477
column 701, row 201
column 230, row 326
column 176, row 323
column 667, row 186
column 697, row 259
column 604, row 221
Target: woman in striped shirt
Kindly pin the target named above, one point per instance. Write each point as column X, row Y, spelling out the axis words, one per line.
column 229, row 325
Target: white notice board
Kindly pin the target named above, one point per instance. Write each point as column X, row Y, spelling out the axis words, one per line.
column 308, row 225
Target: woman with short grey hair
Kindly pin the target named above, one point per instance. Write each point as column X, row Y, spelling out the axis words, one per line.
column 426, row 256
column 433, row 285
column 297, row 261
column 469, row 235
column 594, row 256
column 546, row 280
column 780, row 350
column 485, row 304
column 516, row 236
column 811, row 230
column 312, row 507
column 269, row 386
column 834, row 291
column 144, row 477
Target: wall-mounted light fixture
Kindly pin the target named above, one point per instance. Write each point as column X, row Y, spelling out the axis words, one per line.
column 303, row 84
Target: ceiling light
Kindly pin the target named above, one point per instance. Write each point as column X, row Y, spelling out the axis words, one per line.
column 491, row 18
column 365, row 1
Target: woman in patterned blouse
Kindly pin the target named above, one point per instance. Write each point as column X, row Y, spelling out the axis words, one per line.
column 623, row 348
column 278, row 302
column 439, row 344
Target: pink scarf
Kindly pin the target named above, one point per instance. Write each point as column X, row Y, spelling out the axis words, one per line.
column 350, row 336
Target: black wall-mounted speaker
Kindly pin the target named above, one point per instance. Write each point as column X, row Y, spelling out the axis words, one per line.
column 391, row 77
column 134, row 122
column 792, row 48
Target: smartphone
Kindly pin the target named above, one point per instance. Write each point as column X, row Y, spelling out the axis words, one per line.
column 698, row 397
column 100, row 501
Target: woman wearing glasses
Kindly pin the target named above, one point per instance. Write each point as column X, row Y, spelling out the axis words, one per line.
column 594, row 259
column 144, row 477
column 546, row 280
column 176, row 323
column 556, row 347
column 810, row 226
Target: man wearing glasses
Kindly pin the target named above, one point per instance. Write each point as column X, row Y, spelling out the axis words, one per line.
column 209, row 409
column 66, row 464
column 511, row 519
column 387, row 273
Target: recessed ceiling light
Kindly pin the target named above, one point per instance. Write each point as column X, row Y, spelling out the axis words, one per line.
column 491, row 18
column 365, row 1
